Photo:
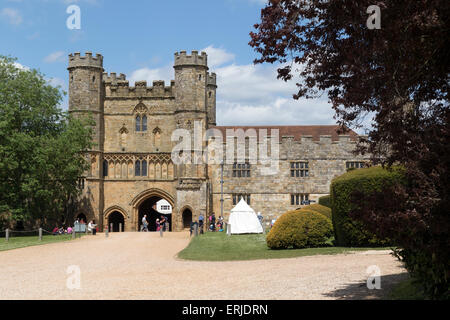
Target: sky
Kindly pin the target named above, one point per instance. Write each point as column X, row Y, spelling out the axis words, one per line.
column 139, row 38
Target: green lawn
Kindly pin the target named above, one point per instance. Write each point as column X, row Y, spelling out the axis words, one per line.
column 22, row 242
column 217, row 246
column 406, row 290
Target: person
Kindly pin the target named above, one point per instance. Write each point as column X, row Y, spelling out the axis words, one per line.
column 55, row 231
column 162, row 223
column 158, row 225
column 213, row 221
column 166, row 224
column 201, row 219
column 92, row 227
column 69, row 230
column 260, row 218
column 144, row 223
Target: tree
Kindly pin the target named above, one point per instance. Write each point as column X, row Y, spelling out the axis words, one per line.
column 399, row 74
column 41, row 148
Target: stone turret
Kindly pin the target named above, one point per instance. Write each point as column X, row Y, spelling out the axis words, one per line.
column 86, row 91
column 211, row 98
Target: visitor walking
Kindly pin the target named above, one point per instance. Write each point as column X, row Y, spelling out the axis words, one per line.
column 144, row 223
column 213, row 221
column 158, row 225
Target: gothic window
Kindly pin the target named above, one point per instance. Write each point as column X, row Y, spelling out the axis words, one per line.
column 144, row 123
column 138, row 123
column 144, row 168
column 105, row 168
column 137, row 168
column 141, row 112
column 299, row 169
column 299, row 199
column 241, row 170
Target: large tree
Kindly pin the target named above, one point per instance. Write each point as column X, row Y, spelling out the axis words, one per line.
column 41, row 149
column 397, row 74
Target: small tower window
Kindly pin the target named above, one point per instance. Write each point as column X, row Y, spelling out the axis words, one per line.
column 144, row 123
column 138, row 123
column 199, row 77
column 93, row 79
column 144, row 168
column 210, row 94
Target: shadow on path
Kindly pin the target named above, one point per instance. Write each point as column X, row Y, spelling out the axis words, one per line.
column 359, row 291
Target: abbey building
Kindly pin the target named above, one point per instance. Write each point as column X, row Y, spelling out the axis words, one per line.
column 131, row 163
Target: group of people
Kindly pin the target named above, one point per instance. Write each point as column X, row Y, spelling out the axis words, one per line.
column 61, row 230
column 162, row 224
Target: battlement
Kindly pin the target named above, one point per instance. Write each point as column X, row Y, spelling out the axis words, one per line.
column 120, row 88
column 76, row 60
column 212, row 78
column 112, row 77
column 182, row 59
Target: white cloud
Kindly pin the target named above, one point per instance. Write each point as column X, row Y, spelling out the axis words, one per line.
column 11, row 16
column 58, row 56
column 251, row 94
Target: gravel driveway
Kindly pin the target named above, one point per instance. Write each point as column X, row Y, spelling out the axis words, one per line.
column 144, row 266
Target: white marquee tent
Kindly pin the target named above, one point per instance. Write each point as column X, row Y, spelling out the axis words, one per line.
column 243, row 219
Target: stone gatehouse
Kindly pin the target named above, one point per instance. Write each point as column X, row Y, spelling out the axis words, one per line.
column 131, row 167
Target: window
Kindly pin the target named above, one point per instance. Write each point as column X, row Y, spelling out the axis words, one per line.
column 144, row 168
column 355, row 164
column 138, row 123
column 105, row 168
column 241, row 170
column 137, row 168
column 299, row 169
column 165, row 207
column 238, row 197
column 299, row 199
column 144, row 123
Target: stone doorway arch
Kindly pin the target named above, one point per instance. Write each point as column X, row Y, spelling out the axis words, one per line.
column 115, row 215
column 145, row 203
column 186, row 216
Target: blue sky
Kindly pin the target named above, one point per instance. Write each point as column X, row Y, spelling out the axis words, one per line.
column 139, row 38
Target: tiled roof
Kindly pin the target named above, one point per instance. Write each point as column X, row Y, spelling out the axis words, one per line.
column 298, row 131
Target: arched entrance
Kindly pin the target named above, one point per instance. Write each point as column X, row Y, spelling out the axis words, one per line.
column 187, row 218
column 82, row 217
column 149, row 208
column 117, row 220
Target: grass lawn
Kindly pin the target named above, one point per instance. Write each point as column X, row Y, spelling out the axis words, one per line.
column 22, row 242
column 406, row 290
column 217, row 246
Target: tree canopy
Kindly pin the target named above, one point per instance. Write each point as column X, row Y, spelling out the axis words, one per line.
column 41, row 149
column 397, row 74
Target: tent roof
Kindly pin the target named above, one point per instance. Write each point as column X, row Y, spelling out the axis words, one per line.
column 242, row 206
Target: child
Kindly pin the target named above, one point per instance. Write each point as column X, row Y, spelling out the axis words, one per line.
column 158, row 225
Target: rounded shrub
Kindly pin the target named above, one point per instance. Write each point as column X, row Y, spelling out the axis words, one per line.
column 347, row 231
column 299, row 229
column 320, row 209
column 325, row 201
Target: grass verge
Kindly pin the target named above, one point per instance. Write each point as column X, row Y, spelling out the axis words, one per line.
column 406, row 290
column 217, row 246
column 22, row 242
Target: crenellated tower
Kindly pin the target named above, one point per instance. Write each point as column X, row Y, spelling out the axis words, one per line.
column 86, row 99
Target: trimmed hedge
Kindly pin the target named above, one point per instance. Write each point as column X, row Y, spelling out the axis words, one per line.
column 325, row 201
column 348, row 232
column 320, row 209
column 299, row 229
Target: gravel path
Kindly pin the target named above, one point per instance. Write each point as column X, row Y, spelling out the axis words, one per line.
column 144, row 266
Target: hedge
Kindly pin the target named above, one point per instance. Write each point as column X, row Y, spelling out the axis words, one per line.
column 367, row 180
column 320, row 209
column 325, row 201
column 299, row 229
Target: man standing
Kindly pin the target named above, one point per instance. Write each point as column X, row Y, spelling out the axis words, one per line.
column 201, row 219
column 144, row 224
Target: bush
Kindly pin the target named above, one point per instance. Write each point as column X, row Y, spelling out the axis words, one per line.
column 320, row 209
column 299, row 229
column 325, row 201
column 349, row 232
